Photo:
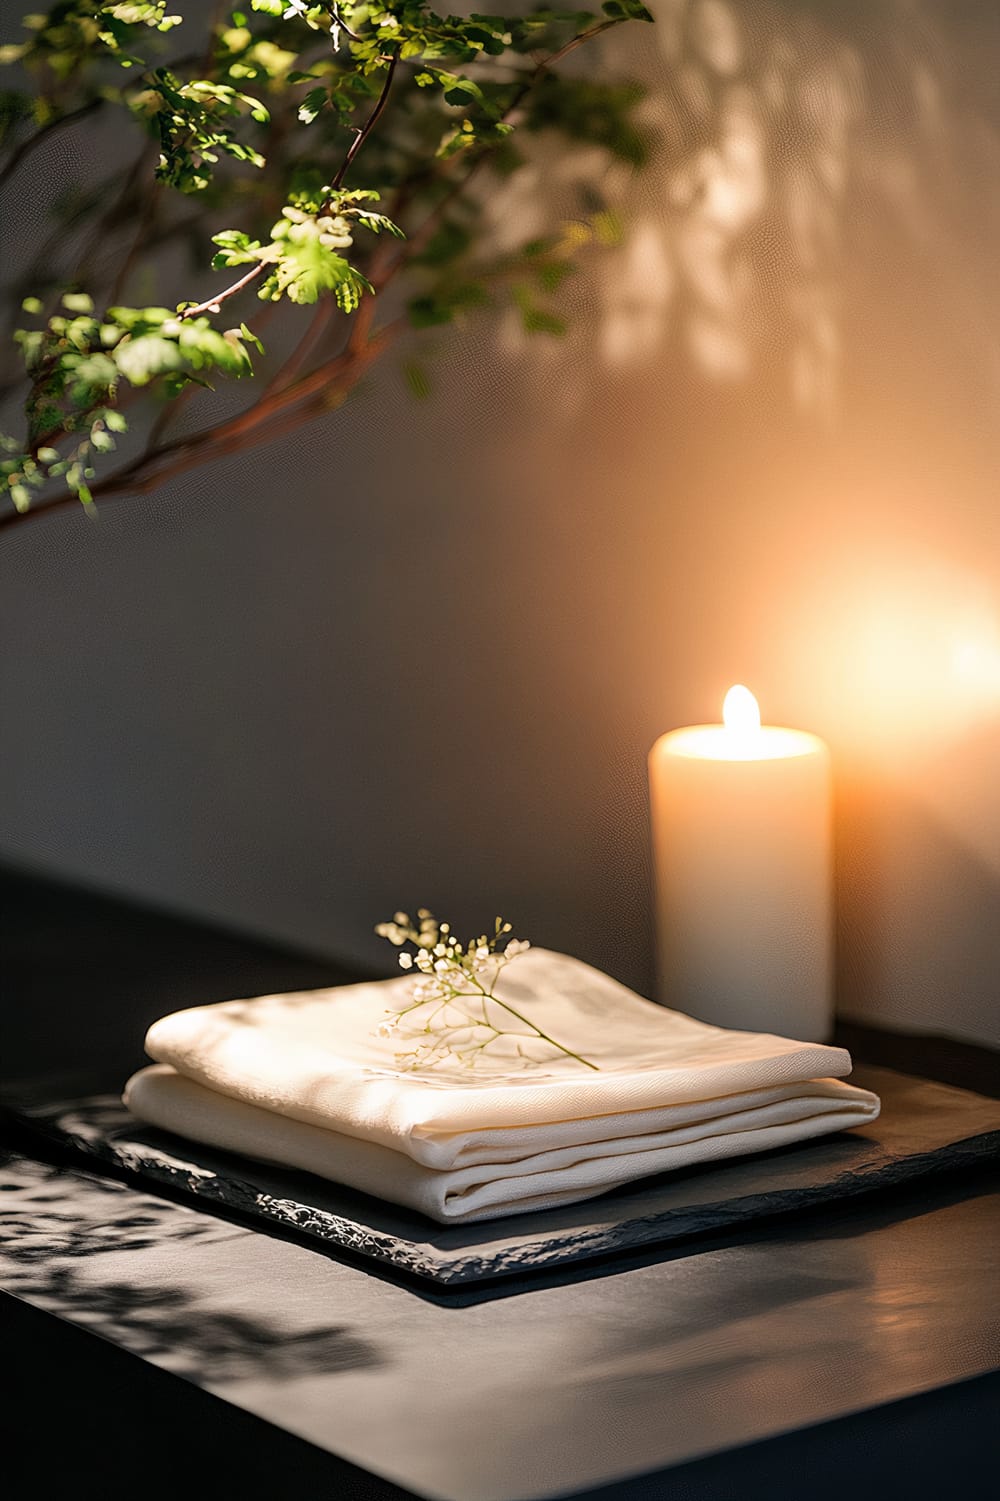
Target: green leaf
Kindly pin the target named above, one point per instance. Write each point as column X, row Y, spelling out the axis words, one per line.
column 95, row 370
column 552, row 274
column 140, row 359
column 416, row 378
column 31, row 343
column 491, row 42
column 304, row 269
column 32, row 305
column 537, row 321
column 78, row 302
column 377, row 223
column 134, row 317
column 235, row 249
column 608, row 227
column 312, row 104
column 349, row 292
column 462, row 91
column 251, row 338
column 426, row 312
column 626, row 10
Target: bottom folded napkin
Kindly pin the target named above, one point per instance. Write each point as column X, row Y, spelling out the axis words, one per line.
column 502, row 1177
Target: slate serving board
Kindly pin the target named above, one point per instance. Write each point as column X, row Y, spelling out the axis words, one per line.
column 924, row 1128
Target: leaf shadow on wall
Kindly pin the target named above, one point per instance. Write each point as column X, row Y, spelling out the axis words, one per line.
column 782, row 132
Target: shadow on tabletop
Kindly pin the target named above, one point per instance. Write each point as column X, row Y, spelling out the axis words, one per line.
column 56, row 1245
column 160, row 1221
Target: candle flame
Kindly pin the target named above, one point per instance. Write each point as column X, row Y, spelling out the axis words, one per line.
column 740, row 712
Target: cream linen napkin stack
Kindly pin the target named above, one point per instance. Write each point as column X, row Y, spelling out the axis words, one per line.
column 305, row 1080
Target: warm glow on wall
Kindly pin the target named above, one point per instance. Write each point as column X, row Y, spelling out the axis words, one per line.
column 902, row 657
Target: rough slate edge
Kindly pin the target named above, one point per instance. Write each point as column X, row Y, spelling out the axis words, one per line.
column 925, row 1128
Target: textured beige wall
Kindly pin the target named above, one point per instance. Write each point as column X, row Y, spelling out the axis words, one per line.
column 767, row 452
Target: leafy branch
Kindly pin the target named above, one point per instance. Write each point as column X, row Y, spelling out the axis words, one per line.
column 433, row 102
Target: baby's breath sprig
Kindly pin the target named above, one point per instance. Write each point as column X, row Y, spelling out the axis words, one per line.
column 454, row 1009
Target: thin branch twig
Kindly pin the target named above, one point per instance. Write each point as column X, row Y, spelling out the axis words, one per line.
column 308, row 399
column 213, row 304
column 364, row 131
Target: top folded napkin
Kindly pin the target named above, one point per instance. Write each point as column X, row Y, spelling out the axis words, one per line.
column 507, row 1131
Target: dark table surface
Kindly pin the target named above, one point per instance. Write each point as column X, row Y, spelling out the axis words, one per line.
column 846, row 1351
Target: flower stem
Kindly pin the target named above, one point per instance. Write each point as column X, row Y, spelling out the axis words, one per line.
column 543, row 1035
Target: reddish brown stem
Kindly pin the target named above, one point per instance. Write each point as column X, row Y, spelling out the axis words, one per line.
column 283, row 411
column 364, row 131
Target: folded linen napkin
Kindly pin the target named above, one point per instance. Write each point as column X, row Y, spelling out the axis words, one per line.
column 165, row 1098
column 305, row 1080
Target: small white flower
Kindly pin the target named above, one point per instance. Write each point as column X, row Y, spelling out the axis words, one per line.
column 390, row 931
column 448, row 974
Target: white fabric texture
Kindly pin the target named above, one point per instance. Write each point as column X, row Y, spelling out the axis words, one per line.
column 305, row 1080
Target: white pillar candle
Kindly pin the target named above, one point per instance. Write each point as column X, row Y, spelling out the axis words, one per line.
column 742, row 854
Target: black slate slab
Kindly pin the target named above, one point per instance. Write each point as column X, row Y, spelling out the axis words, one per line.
column 924, row 1128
